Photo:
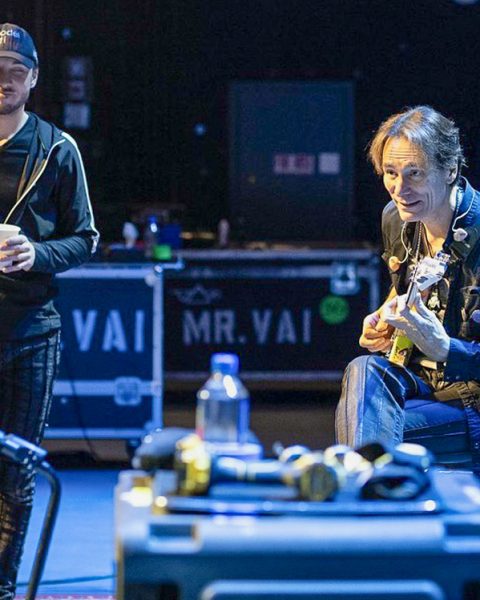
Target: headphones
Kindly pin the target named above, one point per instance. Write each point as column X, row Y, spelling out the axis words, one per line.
column 460, row 234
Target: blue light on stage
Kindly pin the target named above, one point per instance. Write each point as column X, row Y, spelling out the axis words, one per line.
column 200, row 129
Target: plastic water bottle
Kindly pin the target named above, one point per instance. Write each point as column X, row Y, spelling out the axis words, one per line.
column 223, row 404
column 150, row 236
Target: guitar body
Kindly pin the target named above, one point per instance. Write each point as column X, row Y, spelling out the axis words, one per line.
column 401, row 349
column 427, row 272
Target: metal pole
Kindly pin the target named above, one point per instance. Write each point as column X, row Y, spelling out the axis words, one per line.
column 158, row 343
column 47, row 529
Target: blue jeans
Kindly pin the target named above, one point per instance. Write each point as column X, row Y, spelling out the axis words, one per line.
column 27, row 371
column 384, row 402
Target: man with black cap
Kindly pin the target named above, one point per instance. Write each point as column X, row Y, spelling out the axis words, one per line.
column 44, row 192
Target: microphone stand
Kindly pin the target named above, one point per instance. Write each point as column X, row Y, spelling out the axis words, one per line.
column 31, row 458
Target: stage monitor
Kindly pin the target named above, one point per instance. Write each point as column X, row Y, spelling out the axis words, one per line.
column 291, row 160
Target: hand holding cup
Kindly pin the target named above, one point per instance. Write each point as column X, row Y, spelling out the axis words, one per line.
column 16, row 251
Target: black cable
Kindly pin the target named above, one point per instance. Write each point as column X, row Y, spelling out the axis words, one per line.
column 77, row 407
column 71, row 580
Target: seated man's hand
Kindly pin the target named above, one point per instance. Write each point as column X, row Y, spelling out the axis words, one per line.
column 16, row 254
column 376, row 334
column 420, row 325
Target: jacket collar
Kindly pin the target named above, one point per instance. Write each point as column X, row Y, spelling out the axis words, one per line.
column 469, row 206
column 44, row 138
column 466, row 217
column 46, row 132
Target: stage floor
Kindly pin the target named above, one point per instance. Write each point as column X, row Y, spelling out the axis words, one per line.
column 81, row 557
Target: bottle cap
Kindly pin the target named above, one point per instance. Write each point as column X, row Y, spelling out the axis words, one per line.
column 227, row 364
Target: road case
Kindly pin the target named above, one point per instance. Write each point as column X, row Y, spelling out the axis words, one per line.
column 110, row 379
column 292, row 316
column 290, row 180
column 245, row 549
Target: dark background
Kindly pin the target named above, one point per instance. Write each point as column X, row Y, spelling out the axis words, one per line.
column 161, row 67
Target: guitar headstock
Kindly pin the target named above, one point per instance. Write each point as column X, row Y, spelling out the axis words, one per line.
column 429, row 271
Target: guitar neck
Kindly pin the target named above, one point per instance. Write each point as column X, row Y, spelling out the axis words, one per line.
column 411, row 293
column 427, row 272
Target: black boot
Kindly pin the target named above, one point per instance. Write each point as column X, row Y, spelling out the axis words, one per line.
column 13, row 530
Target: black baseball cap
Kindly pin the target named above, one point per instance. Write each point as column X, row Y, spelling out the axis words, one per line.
column 17, row 43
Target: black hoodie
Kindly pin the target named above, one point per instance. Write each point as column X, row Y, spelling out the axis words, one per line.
column 53, row 210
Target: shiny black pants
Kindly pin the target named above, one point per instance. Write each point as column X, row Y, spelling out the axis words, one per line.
column 27, row 371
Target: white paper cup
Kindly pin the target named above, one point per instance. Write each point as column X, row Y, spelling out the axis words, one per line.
column 8, row 231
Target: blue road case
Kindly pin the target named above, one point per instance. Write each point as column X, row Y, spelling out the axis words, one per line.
column 238, row 549
column 110, row 379
column 293, row 316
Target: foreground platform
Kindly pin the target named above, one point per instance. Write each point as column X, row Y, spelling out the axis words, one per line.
column 197, row 549
column 239, row 544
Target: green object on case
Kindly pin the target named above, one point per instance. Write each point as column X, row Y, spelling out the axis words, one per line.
column 162, row 252
column 334, row 309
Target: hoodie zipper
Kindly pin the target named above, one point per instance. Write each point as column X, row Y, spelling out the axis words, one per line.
column 34, row 182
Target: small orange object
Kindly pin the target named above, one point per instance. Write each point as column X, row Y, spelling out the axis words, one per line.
column 394, row 263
